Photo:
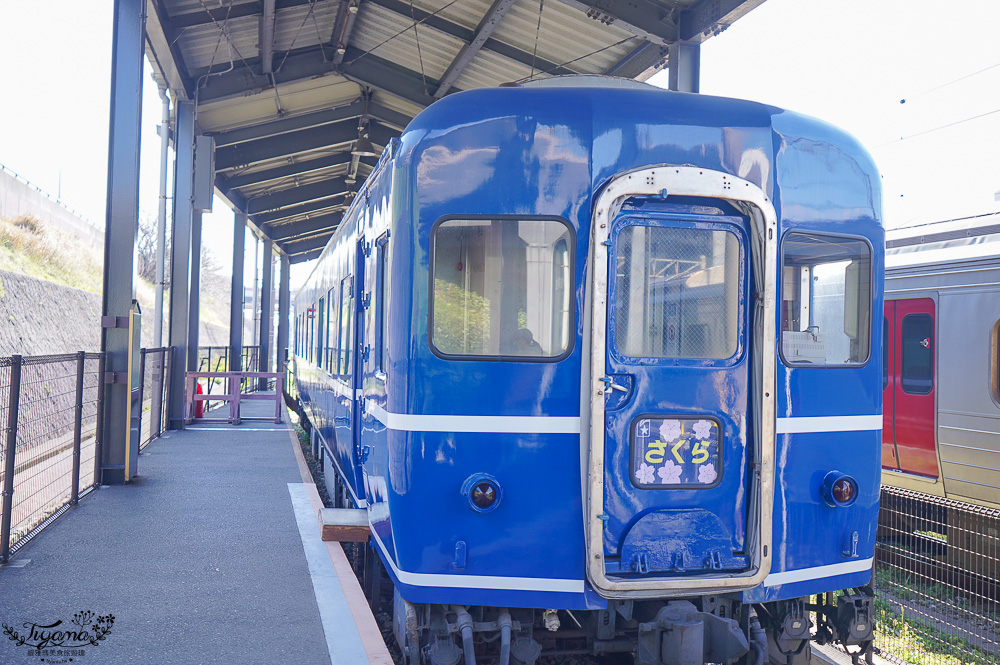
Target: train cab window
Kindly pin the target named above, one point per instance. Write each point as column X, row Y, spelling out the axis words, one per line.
column 916, row 371
column 676, row 293
column 826, row 300
column 501, row 288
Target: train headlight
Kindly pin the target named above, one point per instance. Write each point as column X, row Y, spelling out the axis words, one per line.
column 483, row 492
column 839, row 489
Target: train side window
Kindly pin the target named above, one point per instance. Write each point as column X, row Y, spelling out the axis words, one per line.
column 826, row 307
column 499, row 288
column 331, row 331
column 310, row 327
column 381, row 303
column 917, row 354
column 677, row 292
column 321, row 331
column 346, row 327
column 995, row 365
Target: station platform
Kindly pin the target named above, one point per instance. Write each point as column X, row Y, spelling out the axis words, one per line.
column 211, row 555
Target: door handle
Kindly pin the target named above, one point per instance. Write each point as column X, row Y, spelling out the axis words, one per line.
column 609, row 384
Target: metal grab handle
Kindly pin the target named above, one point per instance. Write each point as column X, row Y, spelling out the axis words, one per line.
column 609, row 384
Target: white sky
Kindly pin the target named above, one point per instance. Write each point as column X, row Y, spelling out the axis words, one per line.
column 848, row 62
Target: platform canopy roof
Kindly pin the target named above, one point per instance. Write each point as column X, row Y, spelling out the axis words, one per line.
column 302, row 95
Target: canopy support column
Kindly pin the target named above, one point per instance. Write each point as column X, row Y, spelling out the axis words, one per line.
column 236, row 293
column 180, row 258
column 284, row 301
column 684, row 63
column 266, row 288
column 121, row 230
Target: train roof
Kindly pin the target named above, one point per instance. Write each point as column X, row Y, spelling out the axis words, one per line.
column 948, row 241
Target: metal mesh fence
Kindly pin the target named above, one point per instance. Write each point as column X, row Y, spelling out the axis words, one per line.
column 50, row 425
column 936, row 581
column 155, row 365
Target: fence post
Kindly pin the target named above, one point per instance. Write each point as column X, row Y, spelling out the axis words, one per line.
column 99, row 436
column 168, row 362
column 156, row 408
column 142, row 389
column 8, row 479
column 74, row 497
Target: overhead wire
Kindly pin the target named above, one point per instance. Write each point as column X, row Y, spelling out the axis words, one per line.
column 538, row 30
column 404, row 30
column 934, row 129
column 952, row 82
column 291, row 45
column 582, row 57
column 420, row 56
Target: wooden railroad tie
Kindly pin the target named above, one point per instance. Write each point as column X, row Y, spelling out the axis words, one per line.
column 345, row 525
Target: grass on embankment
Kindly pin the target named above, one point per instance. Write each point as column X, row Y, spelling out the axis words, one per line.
column 31, row 247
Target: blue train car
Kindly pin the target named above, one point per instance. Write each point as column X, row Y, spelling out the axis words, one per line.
column 597, row 359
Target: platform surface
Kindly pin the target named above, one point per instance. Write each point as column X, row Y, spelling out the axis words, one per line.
column 212, row 555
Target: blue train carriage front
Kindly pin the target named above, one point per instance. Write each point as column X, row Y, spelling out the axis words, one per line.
column 616, row 383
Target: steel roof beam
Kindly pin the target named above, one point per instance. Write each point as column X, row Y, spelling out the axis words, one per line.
column 288, row 124
column 288, row 170
column 355, row 109
column 228, row 12
column 640, row 63
column 266, row 40
column 244, row 81
column 309, row 244
column 467, row 35
column 309, row 64
column 308, row 256
column 284, row 145
column 374, row 72
column 164, row 29
column 282, row 232
column 643, row 18
column 295, row 195
column 287, row 215
column 710, row 17
column 347, row 12
column 485, row 28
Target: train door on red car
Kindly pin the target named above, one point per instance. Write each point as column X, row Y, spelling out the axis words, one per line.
column 890, row 459
column 913, row 385
column 677, row 417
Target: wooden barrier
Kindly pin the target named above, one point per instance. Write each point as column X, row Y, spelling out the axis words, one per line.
column 234, row 381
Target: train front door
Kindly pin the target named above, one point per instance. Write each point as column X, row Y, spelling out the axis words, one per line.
column 909, row 395
column 677, row 420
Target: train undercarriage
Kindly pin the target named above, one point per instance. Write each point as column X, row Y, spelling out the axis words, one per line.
column 709, row 629
column 695, row 631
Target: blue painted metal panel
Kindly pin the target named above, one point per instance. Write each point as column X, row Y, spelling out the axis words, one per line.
column 546, row 152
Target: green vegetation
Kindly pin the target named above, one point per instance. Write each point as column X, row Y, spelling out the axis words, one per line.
column 917, row 642
column 461, row 319
column 29, row 246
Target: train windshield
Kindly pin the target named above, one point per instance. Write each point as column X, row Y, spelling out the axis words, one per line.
column 826, row 300
column 501, row 288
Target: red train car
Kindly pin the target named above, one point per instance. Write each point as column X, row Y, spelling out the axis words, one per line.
column 941, row 389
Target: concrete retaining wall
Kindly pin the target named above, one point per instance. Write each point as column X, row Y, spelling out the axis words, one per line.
column 18, row 197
